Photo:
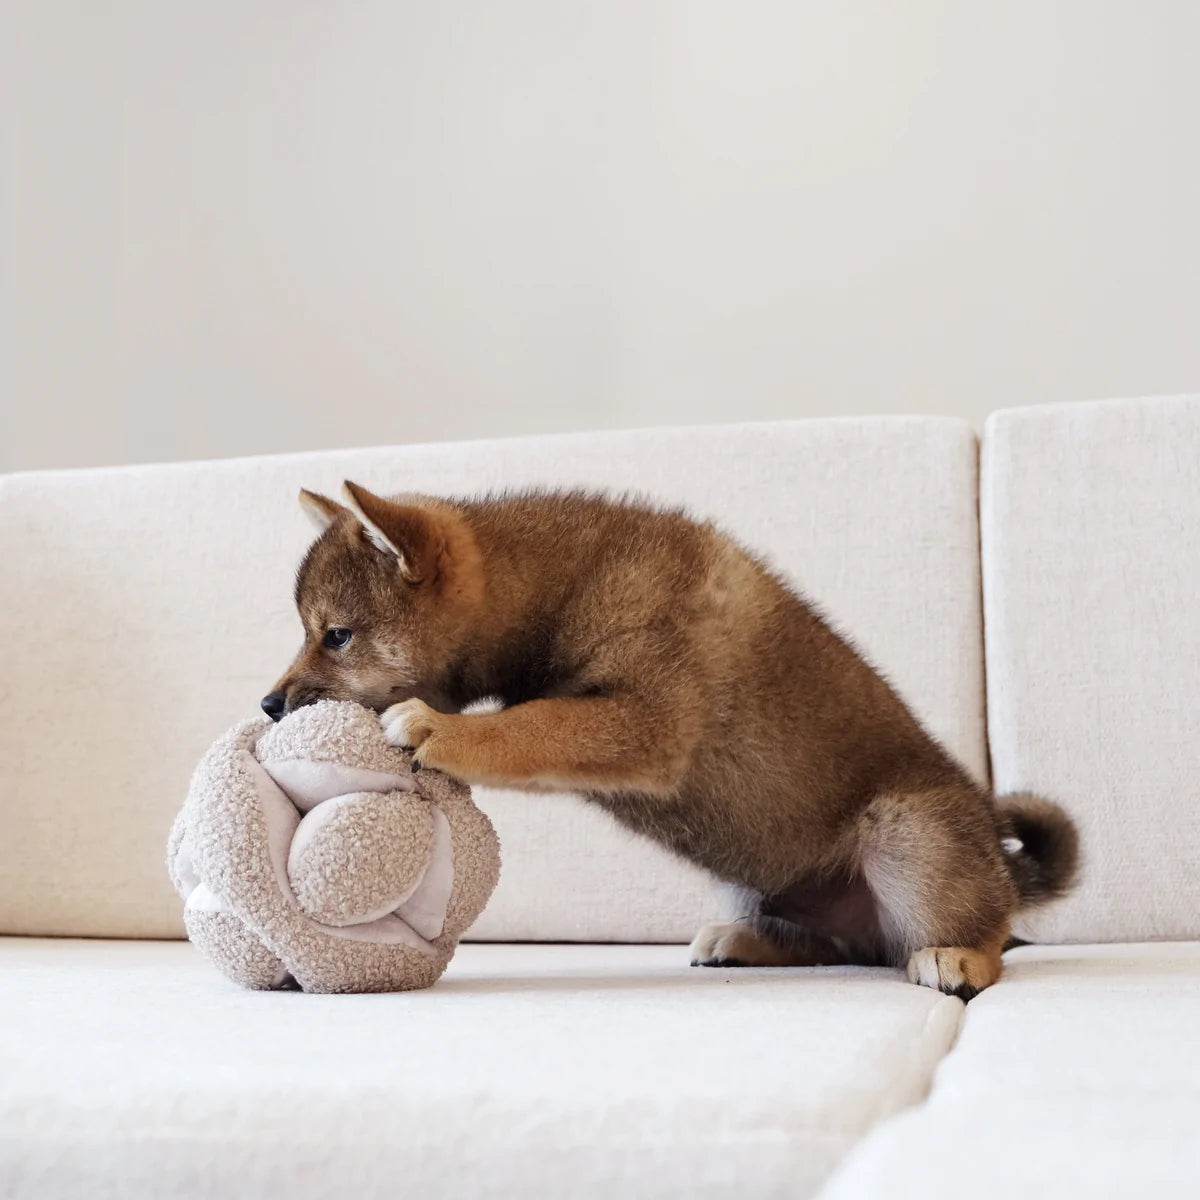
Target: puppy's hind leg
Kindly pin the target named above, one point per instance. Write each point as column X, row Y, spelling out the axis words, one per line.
column 932, row 859
column 761, row 942
column 757, row 939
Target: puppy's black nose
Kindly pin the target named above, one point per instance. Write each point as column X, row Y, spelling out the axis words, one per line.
column 272, row 705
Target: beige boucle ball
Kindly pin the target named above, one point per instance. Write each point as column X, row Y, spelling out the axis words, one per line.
column 309, row 855
column 357, row 857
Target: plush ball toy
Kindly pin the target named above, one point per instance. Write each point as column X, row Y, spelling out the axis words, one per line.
column 308, row 854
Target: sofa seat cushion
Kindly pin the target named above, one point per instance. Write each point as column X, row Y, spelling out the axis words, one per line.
column 1078, row 1075
column 134, row 1069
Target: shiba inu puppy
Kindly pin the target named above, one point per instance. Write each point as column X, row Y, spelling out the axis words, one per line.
column 653, row 665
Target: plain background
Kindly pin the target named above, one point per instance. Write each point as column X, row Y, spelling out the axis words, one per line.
column 239, row 226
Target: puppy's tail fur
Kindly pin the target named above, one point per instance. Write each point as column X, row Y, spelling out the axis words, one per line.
column 1046, row 863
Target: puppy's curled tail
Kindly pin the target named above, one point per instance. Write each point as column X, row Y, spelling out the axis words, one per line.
column 1046, row 862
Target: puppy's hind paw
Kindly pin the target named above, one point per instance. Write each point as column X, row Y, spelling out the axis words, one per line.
column 726, row 946
column 740, row 945
column 956, row 970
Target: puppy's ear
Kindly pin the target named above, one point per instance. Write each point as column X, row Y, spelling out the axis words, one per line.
column 320, row 510
column 410, row 533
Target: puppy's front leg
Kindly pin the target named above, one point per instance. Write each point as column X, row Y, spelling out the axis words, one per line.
column 592, row 743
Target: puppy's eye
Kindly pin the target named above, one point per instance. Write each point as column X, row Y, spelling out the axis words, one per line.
column 336, row 639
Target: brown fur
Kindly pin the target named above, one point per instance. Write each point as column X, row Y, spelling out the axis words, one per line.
column 653, row 665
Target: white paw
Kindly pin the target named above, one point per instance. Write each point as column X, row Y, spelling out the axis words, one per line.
column 721, row 946
column 955, row 970
column 407, row 724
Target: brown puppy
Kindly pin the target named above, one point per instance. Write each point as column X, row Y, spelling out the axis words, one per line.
column 656, row 667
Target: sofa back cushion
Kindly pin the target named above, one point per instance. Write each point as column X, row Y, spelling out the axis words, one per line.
column 1091, row 561
column 148, row 608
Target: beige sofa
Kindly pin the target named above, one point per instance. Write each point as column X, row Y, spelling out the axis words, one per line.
column 570, row 1050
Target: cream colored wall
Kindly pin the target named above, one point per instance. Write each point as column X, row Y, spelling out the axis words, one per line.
column 234, row 226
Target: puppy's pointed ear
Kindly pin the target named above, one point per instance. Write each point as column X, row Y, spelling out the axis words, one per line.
column 408, row 532
column 320, row 510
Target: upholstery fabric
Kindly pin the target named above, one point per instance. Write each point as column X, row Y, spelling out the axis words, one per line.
column 131, row 1069
column 1091, row 563
column 149, row 608
column 1075, row 1076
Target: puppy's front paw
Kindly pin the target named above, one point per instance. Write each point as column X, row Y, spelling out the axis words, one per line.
column 409, row 724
